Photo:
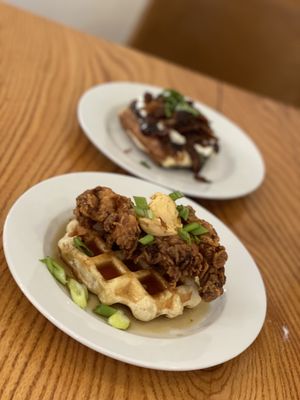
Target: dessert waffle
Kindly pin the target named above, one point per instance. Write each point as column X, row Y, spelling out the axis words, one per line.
column 144, row 291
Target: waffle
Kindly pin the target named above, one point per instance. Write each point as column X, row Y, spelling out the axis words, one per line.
column 144, row 291
column 152, row 145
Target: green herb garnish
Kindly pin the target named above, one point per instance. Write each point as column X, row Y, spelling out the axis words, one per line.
column 141, row 208
column 183, row 212
column 145, row 164
column 78, row 243
column 141, row 202
column 146, row 239
column 195, row 228
column 185, row 235
column 104, row 310
column 115, row 318
column 196, row 239
column 199, row 231
column 140, row 212
column 55, row 269
column 176, row 195
column 79, row 292
column 187, row 108
column 191, row 227
column 119, row 320
column 174, row 101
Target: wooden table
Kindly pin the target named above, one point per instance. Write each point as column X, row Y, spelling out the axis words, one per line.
column 44, row 68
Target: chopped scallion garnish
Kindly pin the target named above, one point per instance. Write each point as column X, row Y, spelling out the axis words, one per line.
column 195, row 228
column 140, row 212
column 183, row 212
column 176, row 195
column 196, row 239
column 199, row 231
column 104, row 310
column 78, row 243
column 184, row 106
column 145, row 164
column 142, row 208
column 150, row 214
column 185, row 235
column 173, row 95
column 175, row 101
column 79, row 292
column 55, row 269
column 146, row 239
column 119, row 320
column 141, row 202
column 191, row 227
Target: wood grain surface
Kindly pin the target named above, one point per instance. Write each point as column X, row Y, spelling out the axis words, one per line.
column 44, row 68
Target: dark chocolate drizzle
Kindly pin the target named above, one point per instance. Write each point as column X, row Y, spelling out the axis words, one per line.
column 195, row 128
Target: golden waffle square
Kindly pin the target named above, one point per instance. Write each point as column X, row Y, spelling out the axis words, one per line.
column 144, row 291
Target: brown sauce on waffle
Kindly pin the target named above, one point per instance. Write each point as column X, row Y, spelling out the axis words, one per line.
column 109, row 271
column 152, row 284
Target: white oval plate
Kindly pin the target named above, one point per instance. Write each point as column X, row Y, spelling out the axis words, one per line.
column 236, row 170
column 231, row 323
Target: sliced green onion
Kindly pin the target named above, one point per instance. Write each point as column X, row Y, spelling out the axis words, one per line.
column 173, row 95
column 146, row 239
column 141, row 202
column 145, row 164
column 183, row 212
column 142, row 208
column 55, row 269
column 169, row 109
column 104, row 310
column 185, row 235
column 191, row 227
column 150, row 214
column 176, row 195
column 78, row 243
column 199, row 231
column 79, row 292
column 140, row 212
column 119, row 320
column 184, row 106
column 196, row 239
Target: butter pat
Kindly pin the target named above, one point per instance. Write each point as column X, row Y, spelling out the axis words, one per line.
column 166, row 219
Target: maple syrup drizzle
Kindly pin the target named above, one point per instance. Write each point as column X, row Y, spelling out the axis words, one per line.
column 109, row 271
column 152, row 284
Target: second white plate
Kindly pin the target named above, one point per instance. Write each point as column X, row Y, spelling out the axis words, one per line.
column 237, row 170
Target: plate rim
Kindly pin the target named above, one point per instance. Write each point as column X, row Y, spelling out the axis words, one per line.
column 142, row 174
column 81, row 339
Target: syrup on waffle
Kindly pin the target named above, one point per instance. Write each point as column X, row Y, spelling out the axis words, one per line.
column 144, row 291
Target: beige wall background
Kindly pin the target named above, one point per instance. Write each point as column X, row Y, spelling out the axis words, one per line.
column 112, row 19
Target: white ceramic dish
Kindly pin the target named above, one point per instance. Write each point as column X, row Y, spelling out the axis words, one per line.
column 228, row 326
column 236, row 170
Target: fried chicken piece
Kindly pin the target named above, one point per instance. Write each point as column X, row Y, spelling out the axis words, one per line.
column 111, row 215
column 176, row 259
column 215, row 256
column 102, row 212
column 172, row 256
